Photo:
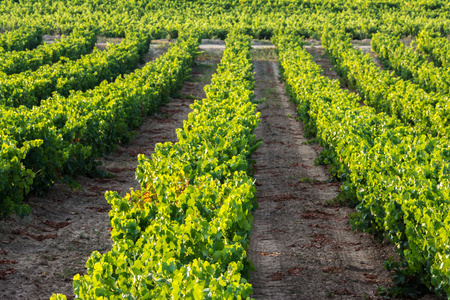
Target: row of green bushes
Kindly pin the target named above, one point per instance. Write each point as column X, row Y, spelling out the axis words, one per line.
column 411, row 65
column 79, row 42
column 260, row 18
column 25, row 38
column 384, row 91
column 64, row 136
column 435, row 46
column 31, row 87
column 397, row 174
column 184, row 235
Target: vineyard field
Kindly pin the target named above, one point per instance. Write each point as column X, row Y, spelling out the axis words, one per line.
column 287, row 149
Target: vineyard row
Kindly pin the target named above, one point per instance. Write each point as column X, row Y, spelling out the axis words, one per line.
column 79, row 42
column 185, row 233
column 429, row 113
column 65, row 135
column 31, row 87
column 398, row 174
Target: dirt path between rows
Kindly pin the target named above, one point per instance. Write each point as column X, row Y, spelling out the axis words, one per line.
column 40, row 254
column 301, row 247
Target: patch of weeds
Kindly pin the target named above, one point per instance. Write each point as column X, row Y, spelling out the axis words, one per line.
column 260, row 101
column 305, row 180
column 196, row 79
column 270, row 93
column 110, row 175
column 342, row 200
column 330, row 294
column 82, row 236
column 208, row 55
column 289, row 116
column 68, row 273
column 311, row 141
column 203, row 67
column 177, row 95
column 268, row 54
column 190, row 97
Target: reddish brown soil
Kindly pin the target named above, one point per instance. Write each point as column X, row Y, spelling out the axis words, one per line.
column 301, row 247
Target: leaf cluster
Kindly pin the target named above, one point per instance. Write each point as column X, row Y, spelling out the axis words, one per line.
column 26, row 37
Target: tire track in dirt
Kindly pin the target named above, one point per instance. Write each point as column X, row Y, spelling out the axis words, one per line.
column 40, row 254
column 301, row 247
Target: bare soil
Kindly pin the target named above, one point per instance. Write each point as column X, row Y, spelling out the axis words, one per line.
column 40, row 254
column 302, row 248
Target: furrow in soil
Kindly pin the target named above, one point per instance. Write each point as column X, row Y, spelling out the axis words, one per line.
column 302, row 247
